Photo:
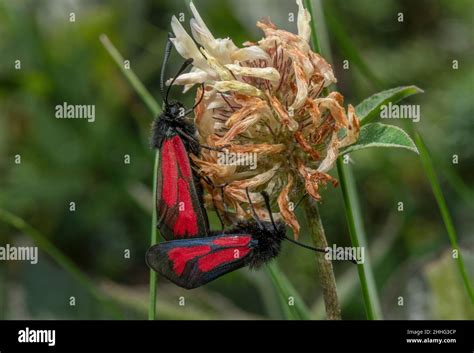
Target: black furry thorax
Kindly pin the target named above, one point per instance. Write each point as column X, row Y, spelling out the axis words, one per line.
column 172, row 122
column 267, row 239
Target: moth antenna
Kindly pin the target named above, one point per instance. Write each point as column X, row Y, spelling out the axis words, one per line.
column 300, row 200
column 254, row 213
column 354, row 261
column 305, row 246
column 169, row 46
column 199, row 102
column 180, row 71
column 222, row 197
column 217, row 213
column 266, row 198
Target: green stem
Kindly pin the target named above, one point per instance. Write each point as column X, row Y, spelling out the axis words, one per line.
column 155, row 109
column 137, row 85
column 44, row 244
column 324, row 266
column 448, row 222
column 357, row 234
column 349, row 192
column 314, row 38
column 285, row 291
column 154, row 240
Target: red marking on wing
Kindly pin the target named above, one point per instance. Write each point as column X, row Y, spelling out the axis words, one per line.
column 182, row 157
column 170, row 173
column 181, row 256
column 232, row 241
column 209, row 262
column 187, row 220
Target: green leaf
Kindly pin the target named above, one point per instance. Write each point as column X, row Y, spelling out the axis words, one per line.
column 381, row 135
column 369, row 109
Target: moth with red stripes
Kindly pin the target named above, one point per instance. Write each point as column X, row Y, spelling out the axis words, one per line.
column 190, row 263
column 179, row 209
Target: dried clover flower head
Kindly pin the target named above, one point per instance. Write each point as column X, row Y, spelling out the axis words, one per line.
column 264, row 101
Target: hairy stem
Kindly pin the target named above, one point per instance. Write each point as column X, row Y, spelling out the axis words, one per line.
column 324, row 267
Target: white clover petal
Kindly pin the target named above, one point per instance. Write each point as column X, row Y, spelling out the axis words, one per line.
column 221, row 49
column 221, row 71
column 304, row 18
column 237, row 86
column 186, row 47
column 191, row 78
column 250, row 53
column 200, row 22
column 267, row 73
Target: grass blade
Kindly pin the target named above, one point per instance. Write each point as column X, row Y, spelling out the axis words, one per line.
column 137, row 85
column 358, row 239
column 443, row 208
column 346, row 47
column 44, row 244
column 155, row 109
column 286, row 291
column 153, row 241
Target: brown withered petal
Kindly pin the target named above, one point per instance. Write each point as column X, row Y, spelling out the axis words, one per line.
column 301, row 86
column 337, row 111
column 306, row 146
column 251, row 106
column 256, row 181
column 214, row 169
column 261, row 149
column 285, row 118
column 285, row 210
column 238, row 128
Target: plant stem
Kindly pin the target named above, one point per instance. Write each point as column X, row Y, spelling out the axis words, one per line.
column 154, row 240
column 44, row 244
column 154, row 107
column 349, row 192
column 448, row 222
column 324, row 267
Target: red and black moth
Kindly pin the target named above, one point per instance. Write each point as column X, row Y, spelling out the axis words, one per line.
column 190, row 263
column 180, row 213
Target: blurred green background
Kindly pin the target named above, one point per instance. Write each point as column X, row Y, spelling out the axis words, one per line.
column 67, row 160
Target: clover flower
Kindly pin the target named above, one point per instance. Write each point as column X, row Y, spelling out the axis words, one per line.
column 264, row 99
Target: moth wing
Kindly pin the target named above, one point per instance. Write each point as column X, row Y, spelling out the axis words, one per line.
column 190, row 263
column 179, row 210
